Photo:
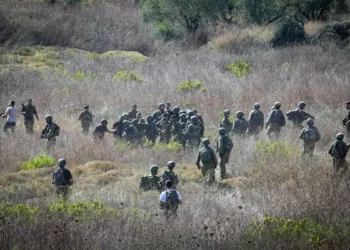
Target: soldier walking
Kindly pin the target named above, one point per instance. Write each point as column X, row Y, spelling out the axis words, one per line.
column 224, row 148
column 29, row 111
column 207, row 156
column 338, row 151
column 86, row 119
column 310, row 136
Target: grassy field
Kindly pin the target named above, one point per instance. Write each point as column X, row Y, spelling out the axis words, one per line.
column 271, row 200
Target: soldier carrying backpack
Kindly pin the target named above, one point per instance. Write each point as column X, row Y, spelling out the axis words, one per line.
column 151, row 181
column 170, row 199
column 50, row 132
column 62, row 178
column 208, row 158
column 224, row 148
column 310, row 136
column 169, row 174
column 276, row 120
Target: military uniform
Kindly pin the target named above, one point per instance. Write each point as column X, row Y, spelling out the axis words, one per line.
column 164, row 131
column 346, row 122
column 169, row 175
column 240, row 126
column 300, row 117
column 224, row 153
column 50, row 133
column 209, row 163
column 225, row 123
column 193, row 134
column 310, row 136
column 132, row 114
column 99, row 132
column 338, row 151
column 86, row 120
column 29, row 111
column 255, row 121
column 275, row 122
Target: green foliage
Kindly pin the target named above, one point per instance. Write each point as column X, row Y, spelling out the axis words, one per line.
column 129, row 76
column 74, row 2
column 311, row 233
column 79, row 76
column 188, row 86
column 38, row 162
column 240, row 68
column 186, row 103
column 276, row 149
column 19, row 211
column 164, row 29
column 134, row 57
column 188, row 13
column 261, row 12
column 123, row 146
column 24, row 51
column 81, row 209
column 160, row 147
column 289, row 32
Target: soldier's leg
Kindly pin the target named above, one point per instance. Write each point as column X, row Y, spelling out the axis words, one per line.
column 223, row 161
column 344, row 166
column 85, row 130
column 31, row 127
column 51, row 143
column 336, row 166
column 211, row 173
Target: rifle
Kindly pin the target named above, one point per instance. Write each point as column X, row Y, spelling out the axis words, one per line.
column 1, row 114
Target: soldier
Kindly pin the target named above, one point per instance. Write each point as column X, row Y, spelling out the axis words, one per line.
column 118, row 126
column 10, row 114
column 224, row 148
column 62, row 179
column 151, row 181
column 50, row 132
column 193, row 132
column 176, row 111
column 346, row 120
column 208, row 158
column 298, row 116
column 310, row 136
column 169, row 175
column 158, row 114
column 170, row 200
column 276, row 120
column 130, row 132
column 137, row 123
column 167, row 109
column 255, row 120
column 338, row 151
column 200, row 118
column 176, row 129
column 86, row 120
column 183, row 122
column 132, row 113
column 225, row 122
column 29, row 111
column 100, row 130
column 164, row 129
column 241, row 125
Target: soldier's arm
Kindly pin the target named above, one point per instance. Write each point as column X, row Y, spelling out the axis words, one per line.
column 215, row 159
column 50, row 131
column 198, row 160
column 309, row 116
column 220, row 146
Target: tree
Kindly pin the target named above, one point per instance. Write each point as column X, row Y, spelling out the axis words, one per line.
column 188, row 13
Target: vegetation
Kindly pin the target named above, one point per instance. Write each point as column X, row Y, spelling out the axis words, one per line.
column 41, row 161
column 240, row 69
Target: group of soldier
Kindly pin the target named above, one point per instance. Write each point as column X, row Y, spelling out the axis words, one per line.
column 186, row 127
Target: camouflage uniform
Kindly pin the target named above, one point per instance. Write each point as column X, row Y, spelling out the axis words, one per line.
column 130, row 132
column 164, row 131
column 193, row 133
column 255, row 120
column 275, row 121
column 132, row 114
column 29, row 111
column 346, row 122
column 223, row 151
column 86, row 119
column 338, row 151
column 50, row 132
column 149, row 129
column 241, row 125
column 99, row 132
column 209, row 166
column 153, row 180
column 310, row 136
column 169, row 175
column 176, row 130
column 225, row 122
column 119, row 126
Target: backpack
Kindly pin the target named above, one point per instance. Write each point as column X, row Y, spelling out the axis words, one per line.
column 310, row 135
column 255, row 118
column 58, row 178
column 57, row 133
column 291, row 115
column 144, row 182
column 171, row 200
column 278, row 117
column 206, row 155
column 228, row 145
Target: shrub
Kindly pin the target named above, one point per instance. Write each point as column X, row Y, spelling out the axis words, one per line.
column 188, row 86
column 289, row 32
column 174, row 146
column 240, row 68
column 277, row 149
column 312, row 234
column 38, row 162
column 81, row 209
column 129, row 76
column 24, row 51
column 18, row 211
column 165, row 30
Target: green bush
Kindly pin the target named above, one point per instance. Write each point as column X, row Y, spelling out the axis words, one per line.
column 174, row 146
column 312, row 234
column 240, row 68
column 289, row 32
column 165, row 30
column 188, row 86
column 24, row 51
column 129, row 76
column 41, row 161
column 277, row 149
column 81, row 209
column 19, row 211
